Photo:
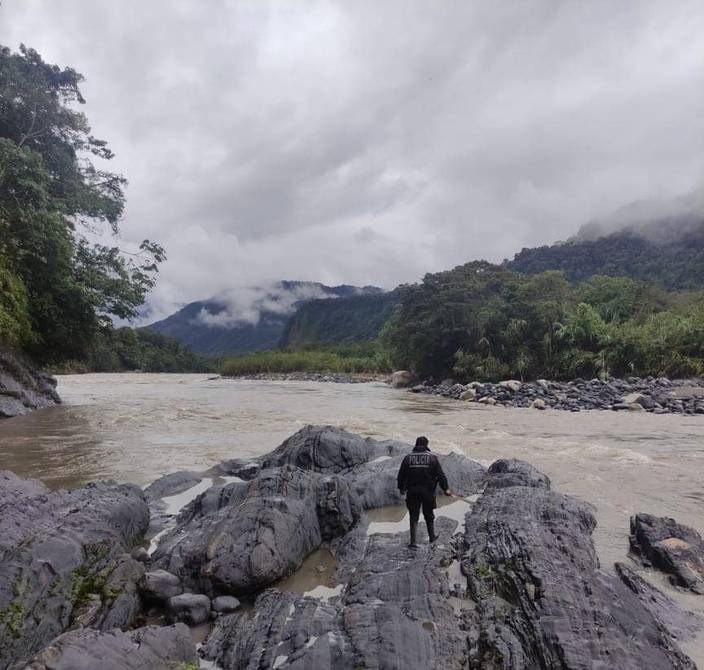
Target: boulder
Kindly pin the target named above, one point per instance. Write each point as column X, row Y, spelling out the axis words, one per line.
column 635, row 407
column 330, row 449
column 671, row 547
column 64, row 559
column 538, row 403
column 512, row 385
column 487, row 400
column 153, row 647
column 469, row 394
column 542, row 600
column 248, row 545
column 508, row 472
column 401, row 379
column 160, row 585
column 190, row 608
column 225, row 604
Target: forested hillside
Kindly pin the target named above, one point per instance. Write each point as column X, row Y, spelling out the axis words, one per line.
column 354, row 319
column 674, row 264
column 482, row 321
column 59, row 289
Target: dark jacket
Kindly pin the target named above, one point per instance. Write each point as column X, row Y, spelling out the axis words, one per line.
column 420, row 473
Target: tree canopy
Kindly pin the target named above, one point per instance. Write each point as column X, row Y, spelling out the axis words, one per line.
column 60, row 286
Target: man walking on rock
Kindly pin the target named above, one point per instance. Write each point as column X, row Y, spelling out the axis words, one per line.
column 419, row 475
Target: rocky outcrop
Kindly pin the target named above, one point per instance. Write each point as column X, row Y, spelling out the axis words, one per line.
column 542, row 601
column 153, row 647
column 63, row 561
column 401, row 379
column 516, row 586
column 23, row 388
column 671, row 547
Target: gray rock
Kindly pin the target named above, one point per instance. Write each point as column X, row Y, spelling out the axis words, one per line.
column 225, row 604
column 401, row 379
column 538, row 403
column 469, row 394
column 247, row 546
column 190, row 608
column 160, row 585
column 507, row 472
column 671, row 547
column 512, row 385
column 329, row 449
column 153, row 647
column 57, row 551
column 141, row 555
column 542, row 601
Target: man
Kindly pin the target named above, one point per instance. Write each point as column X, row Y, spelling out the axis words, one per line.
column 419, row 475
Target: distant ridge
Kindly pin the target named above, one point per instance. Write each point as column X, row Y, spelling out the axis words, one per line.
column 248, row 319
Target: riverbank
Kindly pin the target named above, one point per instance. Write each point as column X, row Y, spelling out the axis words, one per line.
column 199, row 553
column 23, row 388
column 325, row 377
column 656, row 395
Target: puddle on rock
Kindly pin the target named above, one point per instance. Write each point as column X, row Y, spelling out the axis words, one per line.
column 395, row 519
column 315, row 577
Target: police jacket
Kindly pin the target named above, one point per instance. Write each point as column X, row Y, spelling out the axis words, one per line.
column 420, row 473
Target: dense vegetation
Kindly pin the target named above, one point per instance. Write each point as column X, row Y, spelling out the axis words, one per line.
column 675, row 264
column 354, row 319
column 59, row 290
column 481, row 321
column 362, row 357
column 130, row 349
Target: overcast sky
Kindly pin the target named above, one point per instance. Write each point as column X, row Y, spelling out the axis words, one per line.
column 368, row 142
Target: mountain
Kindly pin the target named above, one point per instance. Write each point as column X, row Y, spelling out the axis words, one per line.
column 248, row 319
column 352, row 319
column 650, row 241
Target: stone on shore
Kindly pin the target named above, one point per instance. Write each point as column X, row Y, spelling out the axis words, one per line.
column 671, row 547
column 225, row 604
column 160, row 585
column 401, row 379
column 190, row 608
column 538, row 403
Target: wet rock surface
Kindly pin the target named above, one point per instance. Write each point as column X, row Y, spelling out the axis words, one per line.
column 22, row 387
column 656, row 395
column 542, row 601
column 514, row 584
column 671, row 547
column 156, row 648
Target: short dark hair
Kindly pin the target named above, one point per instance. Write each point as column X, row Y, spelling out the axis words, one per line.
column 422, row 441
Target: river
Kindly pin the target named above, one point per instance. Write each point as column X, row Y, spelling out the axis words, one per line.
column 136, row 427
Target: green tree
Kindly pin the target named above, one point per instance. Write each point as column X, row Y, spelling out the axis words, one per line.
column 53, row 190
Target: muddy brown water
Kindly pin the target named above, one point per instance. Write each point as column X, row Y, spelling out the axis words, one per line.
column 136, row 427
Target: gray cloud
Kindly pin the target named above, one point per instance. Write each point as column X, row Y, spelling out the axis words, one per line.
column 369, row 142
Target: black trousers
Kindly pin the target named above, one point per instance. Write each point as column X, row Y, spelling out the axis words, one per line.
column 416, row 501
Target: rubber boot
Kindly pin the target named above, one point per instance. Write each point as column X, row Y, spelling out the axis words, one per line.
column 414, row 526
column 430, row 523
